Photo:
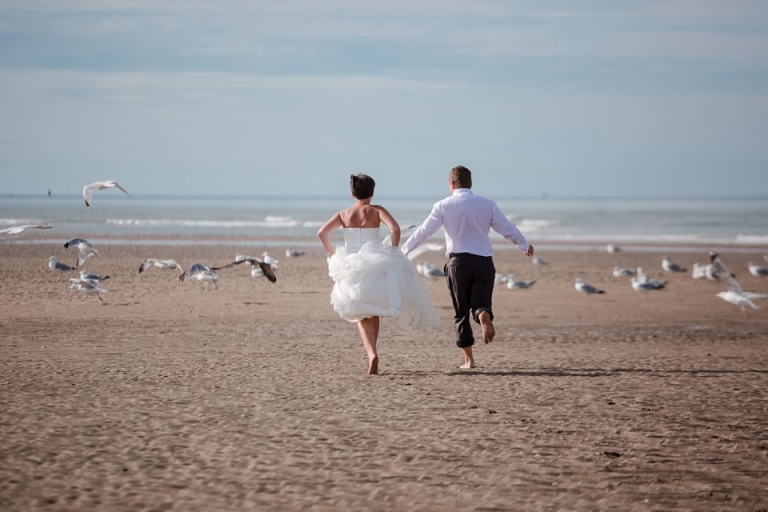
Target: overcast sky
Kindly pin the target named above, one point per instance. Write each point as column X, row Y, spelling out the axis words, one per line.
column 248, row 97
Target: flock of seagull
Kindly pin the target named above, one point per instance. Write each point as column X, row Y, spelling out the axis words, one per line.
column 89, row 283
column 715, row 270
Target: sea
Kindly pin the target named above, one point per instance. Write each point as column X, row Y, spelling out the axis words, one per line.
column 639, row 224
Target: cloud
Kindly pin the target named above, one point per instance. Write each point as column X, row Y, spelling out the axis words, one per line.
column 209, row 87
column 438, row 30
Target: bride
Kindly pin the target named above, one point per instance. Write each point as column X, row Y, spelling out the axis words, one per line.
column 372, row 279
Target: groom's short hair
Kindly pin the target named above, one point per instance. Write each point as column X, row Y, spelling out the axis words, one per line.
column 361, row 185
column 461, row 176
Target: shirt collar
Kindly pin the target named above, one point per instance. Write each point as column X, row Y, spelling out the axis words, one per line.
column 462, row 192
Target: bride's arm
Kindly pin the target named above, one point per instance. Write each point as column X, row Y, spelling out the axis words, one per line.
column 329, row 227
column 391, row 223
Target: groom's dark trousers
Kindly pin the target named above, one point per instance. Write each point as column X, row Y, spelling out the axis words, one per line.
column 470, row 280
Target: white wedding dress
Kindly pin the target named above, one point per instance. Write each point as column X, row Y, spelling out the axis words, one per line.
column 374, row 279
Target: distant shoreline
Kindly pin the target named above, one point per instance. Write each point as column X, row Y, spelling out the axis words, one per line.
column 310, row 242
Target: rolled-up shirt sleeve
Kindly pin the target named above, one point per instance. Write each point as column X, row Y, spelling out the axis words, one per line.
column 428, row 228
column 503, row 226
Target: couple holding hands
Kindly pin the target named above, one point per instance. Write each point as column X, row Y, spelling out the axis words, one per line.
column 372, row 280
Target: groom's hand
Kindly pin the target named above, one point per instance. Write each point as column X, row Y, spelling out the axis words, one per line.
column 529, row 252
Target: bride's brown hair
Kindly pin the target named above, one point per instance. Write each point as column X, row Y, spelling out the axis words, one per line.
column 361, row 185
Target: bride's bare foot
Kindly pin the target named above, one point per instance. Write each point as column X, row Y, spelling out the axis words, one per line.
column 489, row 332
column 373, row 366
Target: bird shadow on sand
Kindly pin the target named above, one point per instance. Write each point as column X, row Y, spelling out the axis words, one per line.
column 599, row 372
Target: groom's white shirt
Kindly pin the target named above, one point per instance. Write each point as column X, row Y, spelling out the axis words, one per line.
column 466, row 219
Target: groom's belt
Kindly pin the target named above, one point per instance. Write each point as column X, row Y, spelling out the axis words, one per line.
column 457, row 254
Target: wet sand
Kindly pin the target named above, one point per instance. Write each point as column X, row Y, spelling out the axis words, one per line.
column 255, row 397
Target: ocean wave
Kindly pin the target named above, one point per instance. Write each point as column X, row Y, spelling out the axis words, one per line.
column 671, row 239
column 268, row 222
column 530, row 225
column 13, row 222
column 752, row 239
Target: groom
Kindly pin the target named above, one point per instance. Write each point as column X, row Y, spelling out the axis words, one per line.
column 467, row 219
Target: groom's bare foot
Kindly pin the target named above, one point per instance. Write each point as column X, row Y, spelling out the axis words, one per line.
column 489, row 332
column 469, row 360
column 373, row 366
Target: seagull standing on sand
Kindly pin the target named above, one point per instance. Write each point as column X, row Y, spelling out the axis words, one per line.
column 757, row 271
column 290, row 253
column 15, row 230
column 429, row 270
column 58, row 266
column 612, row 249
column 538, row 261
column 99, row 185
column 669, row 266
column 646, row 283
column 87, row 276
column 152, row 262
column 269, row 260
column 623, row 272
column 641, row 282
column 583, row 287
column 514, row 284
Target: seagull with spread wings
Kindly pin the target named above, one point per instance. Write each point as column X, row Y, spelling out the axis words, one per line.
column 85, row 249
column 200, row 272
column 264, row 267
column 152, row 262
column 99, row 185
column 15, row 230
column 734, row 293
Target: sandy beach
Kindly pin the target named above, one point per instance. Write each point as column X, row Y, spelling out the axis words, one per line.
column 254, row 397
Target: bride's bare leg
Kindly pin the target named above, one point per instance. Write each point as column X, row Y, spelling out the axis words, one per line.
column 376, row 323
column 368, row 333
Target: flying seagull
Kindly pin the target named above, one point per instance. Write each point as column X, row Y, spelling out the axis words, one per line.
column 99, row 185
column 85, row 249
column 265, row 267
column 202, row 273
column 152, row 262
column 15, row 230
column 734, row 294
